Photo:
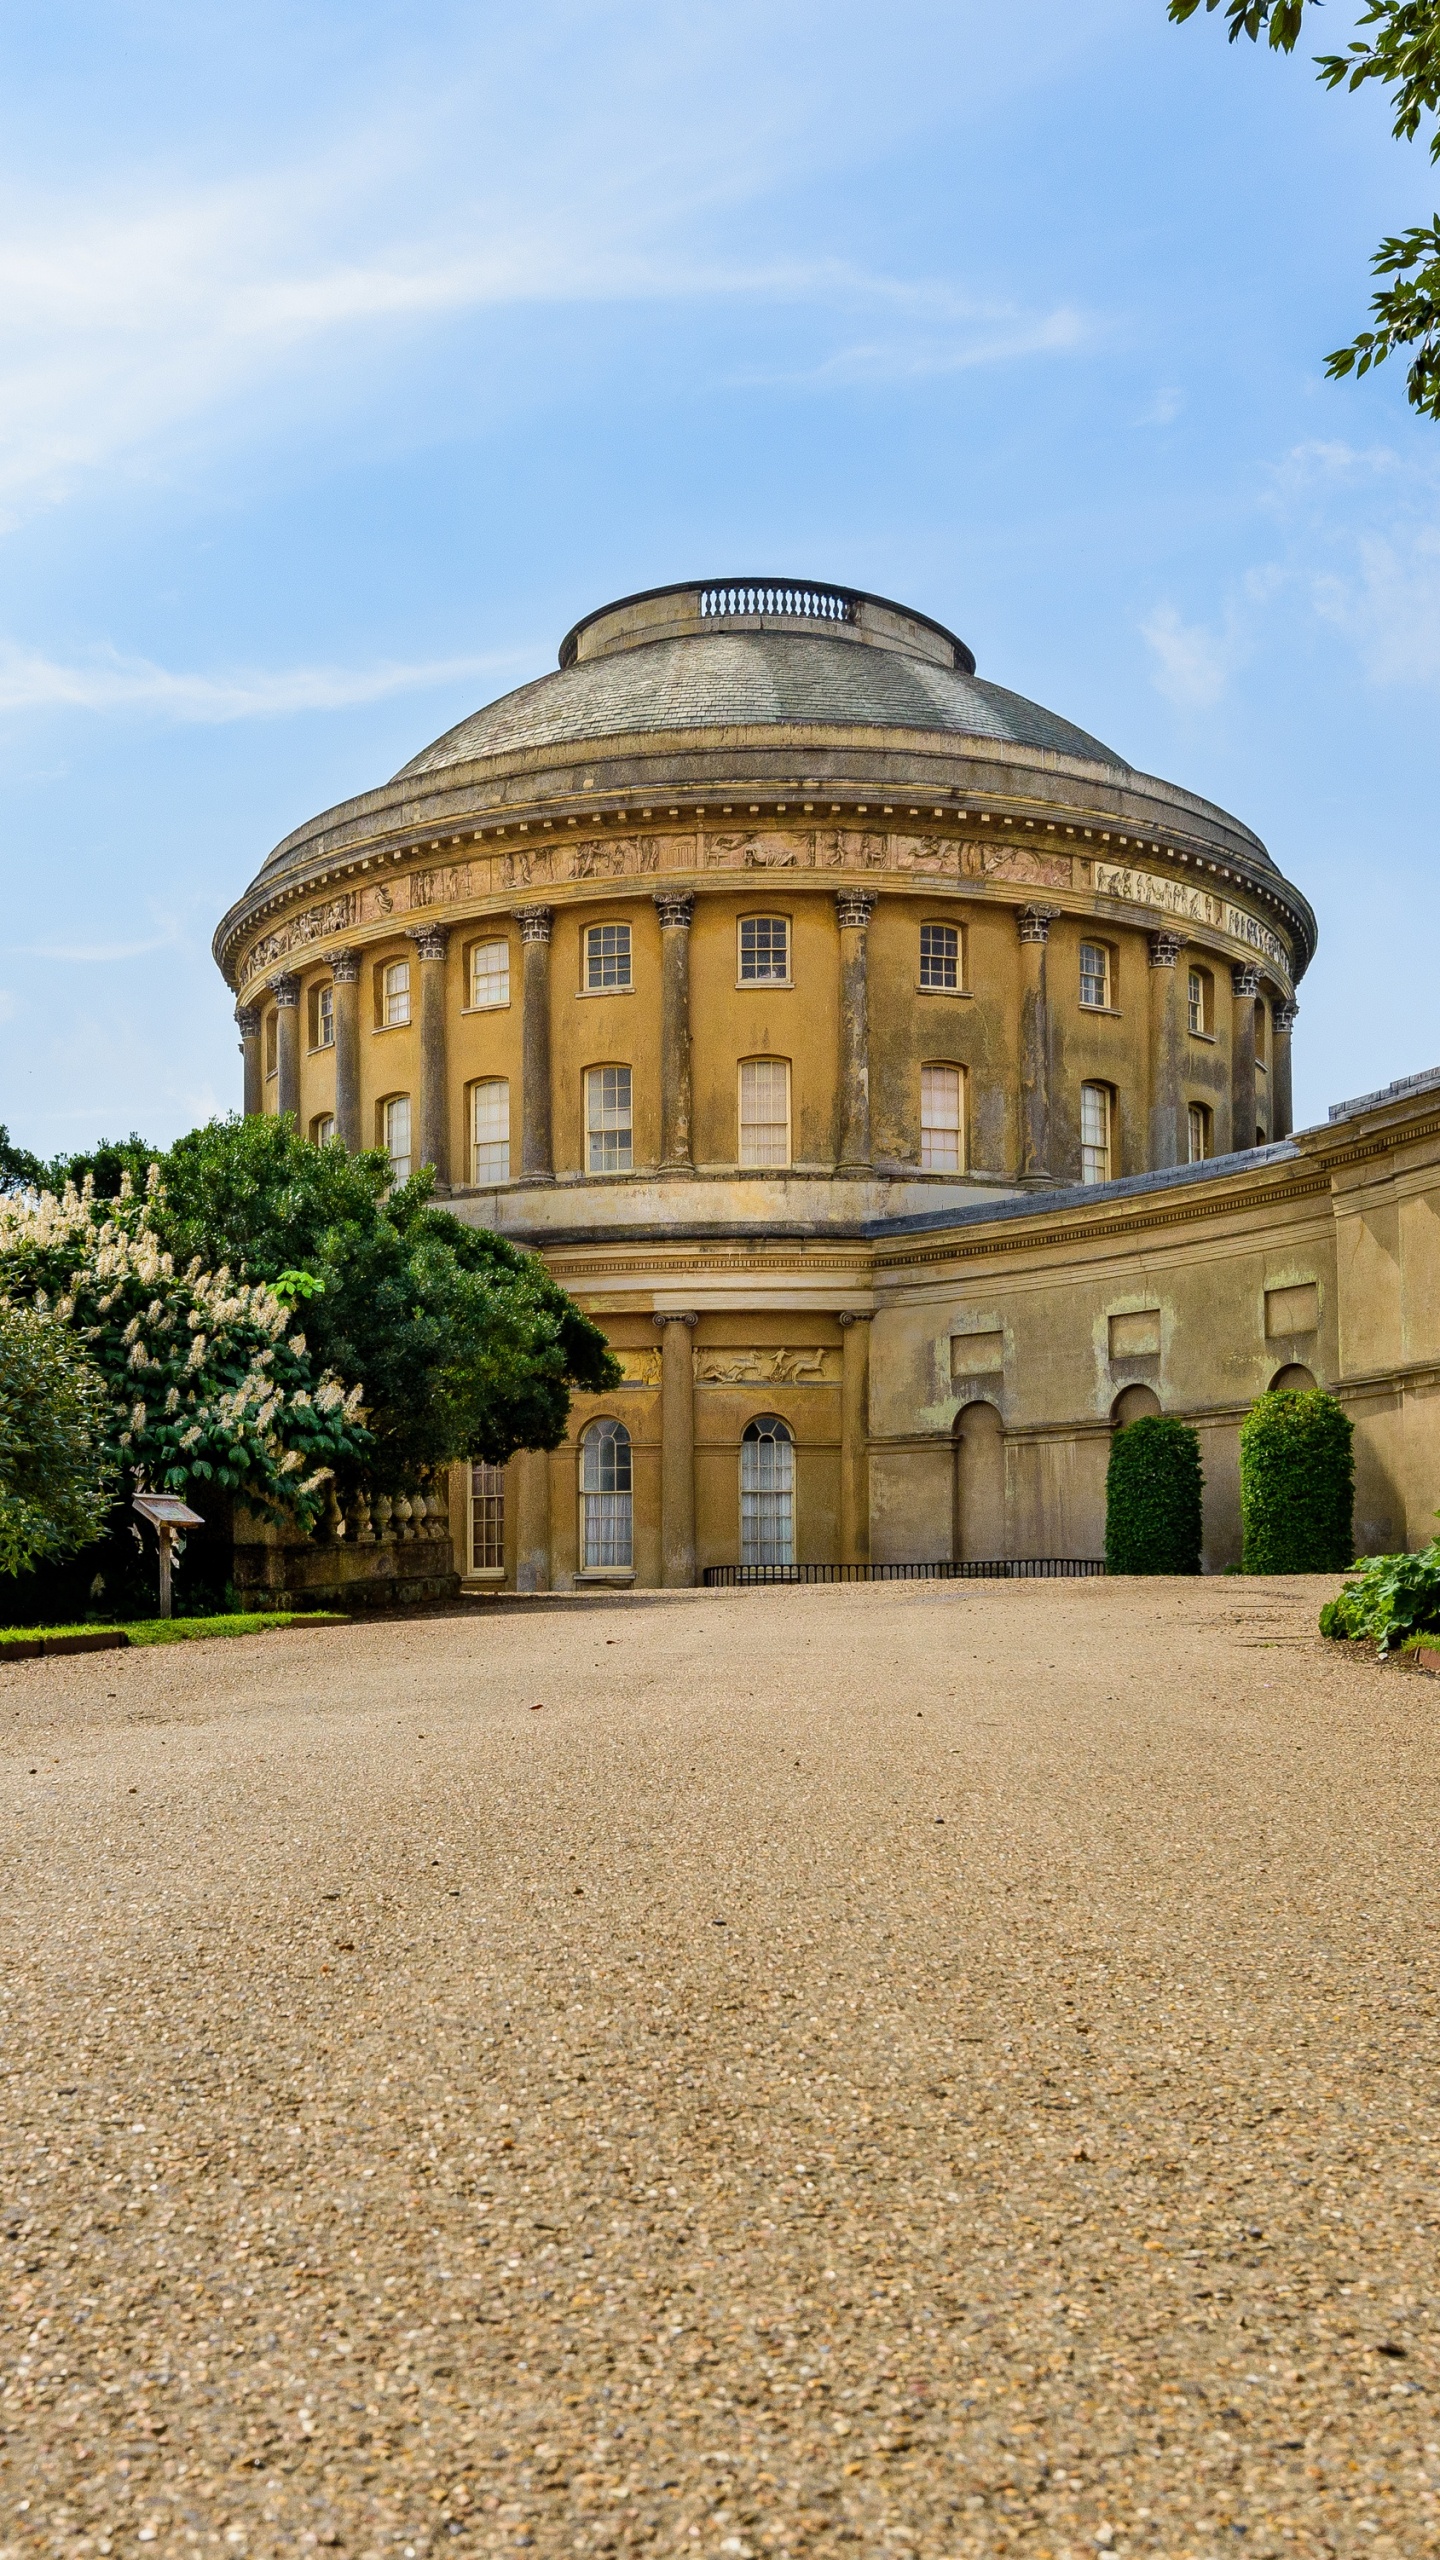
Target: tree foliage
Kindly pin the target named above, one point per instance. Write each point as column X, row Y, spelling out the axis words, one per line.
column 1153, row 1489
column 1394, row 1598
column 56, row 1480
column 1297, row 1484
column 1403, row 54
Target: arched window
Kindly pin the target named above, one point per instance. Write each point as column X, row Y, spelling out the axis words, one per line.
column 1293, row 1380
column 767, row 1492
column 979, row 1485
column 607, row 1534
column 1133, row 1404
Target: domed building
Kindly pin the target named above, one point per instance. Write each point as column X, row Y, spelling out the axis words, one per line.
column 724, row 966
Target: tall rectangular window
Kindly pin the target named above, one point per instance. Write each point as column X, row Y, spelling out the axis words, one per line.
column 608, row 1119
column 322, row 1130
column 607, row 1524
column 941, row 1119
column 272, row 1043
column 765, row 1111
column 607, row 957
column 396, row 1126
column 490, row 1130
column 394, row 994
column 487, row 1519
column 1200, row 983
column 322, row 1019
column 1094, row 974
column 1199, row 1133
column 1094, row 1133
column 939, row 955
column 764, row 951
column 1262, row 1025
column 489, row 975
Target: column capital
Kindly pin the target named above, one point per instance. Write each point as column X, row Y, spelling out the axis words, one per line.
column 1035, row 922
column 1286, row 1014
column 675, row 907
column 850, row 1316
column 285, row 988
column 1165, row 949
column 534, row 922
column 1245, row 978
column 673, row 1318
column 431, row 940
column 345, row 968
column 854, row 908
column 247, row 1020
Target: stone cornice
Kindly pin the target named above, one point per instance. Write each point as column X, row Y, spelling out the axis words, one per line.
column 1118, row 1222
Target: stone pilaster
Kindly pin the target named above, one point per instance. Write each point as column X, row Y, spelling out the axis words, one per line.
column 853, row 909
column 432, row 941
column 1034, row 926
column 529, row 1475
column 1168, row 1139
column 676, row 909
column 855, row 1440
column 677, row 1451
column 1245, row 984
column 286, row 991
column 1282, row 1093
column 248, row 1019
column 345, row 970
column 537, row 1151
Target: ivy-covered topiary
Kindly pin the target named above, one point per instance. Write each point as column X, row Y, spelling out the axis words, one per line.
column 1297, row 1484
column 1152, row 1498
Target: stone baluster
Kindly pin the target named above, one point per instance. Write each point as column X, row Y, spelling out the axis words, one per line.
column 677, row 1451
column 676, row 909
column 286, row 991
column 345, row 970
column 537, row 1153
column 431, row 942
column 1034, row 924
column 855, row 1440
column 1282, row 1096
column 1167, row 1103
column 248, row 1019
column 854, row 908
column 1245, row 983
column 364, row 1525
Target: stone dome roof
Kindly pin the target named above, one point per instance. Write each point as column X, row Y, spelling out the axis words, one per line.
column 725, row 657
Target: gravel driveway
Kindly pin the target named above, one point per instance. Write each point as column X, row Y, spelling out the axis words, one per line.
column 919, row 2070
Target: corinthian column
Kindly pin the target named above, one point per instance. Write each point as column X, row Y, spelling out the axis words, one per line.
column 1245, row 982
column 345, row 970
column 537, row 1153
column 286, row 991
column 1034, row 924
column 1282, row 1100
column 675, row 908
column 247, row 1022
column 854, row 908
column 855, row 1441
column 432, row 942
column 677, row 1452
column 1165, row 1094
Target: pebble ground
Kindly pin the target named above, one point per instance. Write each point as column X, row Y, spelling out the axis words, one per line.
column 918, row 2071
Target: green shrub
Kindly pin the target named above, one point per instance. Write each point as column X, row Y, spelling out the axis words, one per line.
column 1391, row 1599
column 1297, row 1485
column 1152, row 1498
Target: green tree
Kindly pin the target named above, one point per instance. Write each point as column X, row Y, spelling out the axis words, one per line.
column 1403, row 54
column 56, row 1480
column 1153, row 1489
column 1297, row 1484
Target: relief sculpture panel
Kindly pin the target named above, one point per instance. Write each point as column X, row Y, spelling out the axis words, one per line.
column 767, row 1368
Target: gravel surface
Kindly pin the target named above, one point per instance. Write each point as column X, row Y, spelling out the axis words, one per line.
column 917, row 2070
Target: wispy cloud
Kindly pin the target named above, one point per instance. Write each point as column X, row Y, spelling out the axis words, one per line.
column 961, row 337
column 1389, row 606
column 1195, row 662
column 106, row 681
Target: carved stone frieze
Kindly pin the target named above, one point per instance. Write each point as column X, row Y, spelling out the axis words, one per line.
column 767, row 1368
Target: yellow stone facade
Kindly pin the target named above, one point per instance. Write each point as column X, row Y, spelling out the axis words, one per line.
column 841, row 1029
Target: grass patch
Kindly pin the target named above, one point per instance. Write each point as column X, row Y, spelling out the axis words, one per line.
column 252, row 1622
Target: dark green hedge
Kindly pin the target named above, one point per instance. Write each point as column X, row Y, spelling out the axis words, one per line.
column 1152, row 1498
column 1297, row 1485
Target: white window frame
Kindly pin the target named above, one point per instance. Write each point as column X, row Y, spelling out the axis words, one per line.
column 609, row 968
column 954, row 984
column 1198, row 1122
column 767, row 1492
column 324, row 1128
column 325, row 1015
column 607, row 1134
column 495, row 981
column 607, row 1497
column 749, row 970
column 492, row 1144
column 934, row 1157
column 746, row 1151
column 1200, row 1003
column 400, row 1162
column 1097, row 1154
column 1105, row 1001
column 487, row 1520
column 394, row 994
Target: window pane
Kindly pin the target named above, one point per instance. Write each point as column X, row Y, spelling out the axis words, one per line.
column 940, row 1119
column 607, row 955
column 492, row 1131
column 490, row 974
column 1197, row 1001
column 325, row 1019
column 1094, row 973
column 608, row 1119
column 1094, row 1133
column 487, row 1519
column 939, row 955
column 397, row 1135
column 397, row 993
column 764, row 949
column 605, row 1495
column 765, row 1111
column 767, row 1493
column 1199, row 1133
column 324, row 1128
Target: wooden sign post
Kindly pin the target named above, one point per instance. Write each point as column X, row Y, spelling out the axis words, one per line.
column 166, row 1513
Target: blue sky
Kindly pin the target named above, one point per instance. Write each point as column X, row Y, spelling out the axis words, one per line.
column 347, row 355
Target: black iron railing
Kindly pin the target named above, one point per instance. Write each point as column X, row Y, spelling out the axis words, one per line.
column 731, row 1577
column 733, row 603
